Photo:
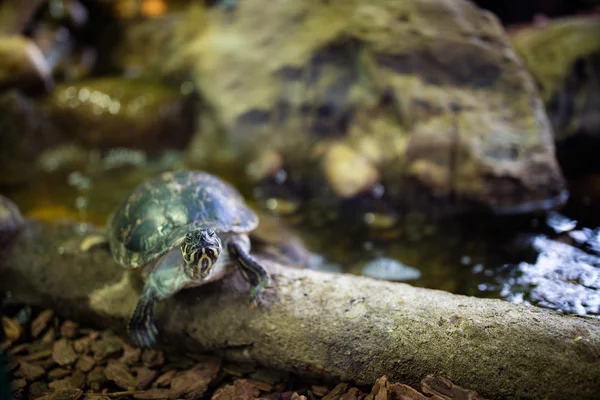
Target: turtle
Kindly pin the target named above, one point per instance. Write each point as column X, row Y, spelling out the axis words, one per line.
column 183, row 229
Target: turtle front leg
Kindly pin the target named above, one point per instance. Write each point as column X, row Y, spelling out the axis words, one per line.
column 167, row 278
column 141, row 328
column 251, row 270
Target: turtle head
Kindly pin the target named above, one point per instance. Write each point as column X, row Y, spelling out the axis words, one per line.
column 200, row 249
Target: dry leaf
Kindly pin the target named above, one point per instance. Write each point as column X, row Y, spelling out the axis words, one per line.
column 84, row 344
column 153, row 358
column 38, row 389
column 166, row 378
column 62, row 384
column 240, row 390
column 337, row 392
column 58, row 373
column 118, row 373
column 12, row 329
column 78, row 379
column 18, row 383
column 188, row 381
column 153, row 394
column 63, row 352
column 85, row 363
column 319, row 390
column 96, row 379
column 68, row 329
column 384, row 390
column 357, row 394
column 445, row 389
column 268, row 375
column 64, row 394
column 49, row 336
column 41, row 322
column 107, row 346
column 31, row 372
column 239, row 370
column 131, row 355
column 144, row 377
column 195, row 380
column 18, row 349
column 262, row 386
column 75, row 381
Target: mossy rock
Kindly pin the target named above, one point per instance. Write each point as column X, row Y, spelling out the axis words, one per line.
column 375, row 108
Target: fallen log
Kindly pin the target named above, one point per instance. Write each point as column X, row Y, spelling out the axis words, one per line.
column 322, row 324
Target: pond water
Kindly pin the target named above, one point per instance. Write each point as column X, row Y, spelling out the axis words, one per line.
column 550, row 260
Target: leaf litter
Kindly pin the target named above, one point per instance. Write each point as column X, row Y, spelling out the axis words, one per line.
column 53, row 359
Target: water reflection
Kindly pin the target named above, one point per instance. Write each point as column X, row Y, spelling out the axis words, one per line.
column 560, row 223
column 390, row 269
column 565, row 276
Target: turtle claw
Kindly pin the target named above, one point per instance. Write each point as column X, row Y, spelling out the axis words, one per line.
column 258, row 289
column 142, row 334
column 142, row 331
column 251, row 270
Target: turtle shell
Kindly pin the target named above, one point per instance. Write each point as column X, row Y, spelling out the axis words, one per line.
column 157, row 214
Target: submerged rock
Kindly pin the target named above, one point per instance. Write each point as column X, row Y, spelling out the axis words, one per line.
column 116, row 112
column 390, row 269
column 429, row 96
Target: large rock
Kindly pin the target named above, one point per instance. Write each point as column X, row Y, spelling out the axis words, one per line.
column 564, row 58
column 386, row 106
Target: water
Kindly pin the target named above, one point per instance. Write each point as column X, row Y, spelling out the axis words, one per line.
column 550, row 261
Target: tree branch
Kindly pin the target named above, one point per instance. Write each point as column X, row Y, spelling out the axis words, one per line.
column 323, row 324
